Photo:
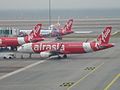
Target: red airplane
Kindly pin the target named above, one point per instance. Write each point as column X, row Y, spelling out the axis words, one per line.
column 13, row 42
column 48, row 49
column 55, row 30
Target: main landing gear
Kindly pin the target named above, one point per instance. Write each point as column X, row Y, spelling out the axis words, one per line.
column 64, row 56
column 58, row 37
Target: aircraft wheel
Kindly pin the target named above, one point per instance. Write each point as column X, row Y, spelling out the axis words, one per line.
column 60, row 38
column 4, row 57
column 64, row 56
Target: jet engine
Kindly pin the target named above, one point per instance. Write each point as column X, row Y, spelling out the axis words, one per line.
column 45, row 54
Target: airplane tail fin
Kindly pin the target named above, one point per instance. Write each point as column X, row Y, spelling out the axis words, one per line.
column 68, row 27
column 105, row 36
column 35, row 33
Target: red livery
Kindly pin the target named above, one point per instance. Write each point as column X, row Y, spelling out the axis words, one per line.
column 48, row 49
column 16, row 41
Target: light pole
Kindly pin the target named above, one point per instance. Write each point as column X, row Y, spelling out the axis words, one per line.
column 49, row 12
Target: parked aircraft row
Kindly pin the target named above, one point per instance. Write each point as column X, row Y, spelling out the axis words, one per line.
column 56, row 30
column 17, row 41
column 33, row 43
column 37, row 35
column 49, row 49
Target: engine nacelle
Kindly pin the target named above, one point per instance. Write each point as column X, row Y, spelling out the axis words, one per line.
column 45, row 54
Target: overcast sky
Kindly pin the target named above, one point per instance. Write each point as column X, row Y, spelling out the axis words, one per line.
column 59, row 4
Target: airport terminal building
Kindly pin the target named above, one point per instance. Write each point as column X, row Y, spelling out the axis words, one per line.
column 8, row 31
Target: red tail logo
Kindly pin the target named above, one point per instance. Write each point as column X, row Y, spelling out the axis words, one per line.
column 68, row 26
column 35, row 32
column 105, row 36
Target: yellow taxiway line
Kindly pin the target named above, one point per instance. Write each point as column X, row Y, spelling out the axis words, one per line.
column 112, row 82
column 85, row 76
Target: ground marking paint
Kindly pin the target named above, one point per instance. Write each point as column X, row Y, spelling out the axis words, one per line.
column 112, row 82
column 85, row 76
column 22, row 69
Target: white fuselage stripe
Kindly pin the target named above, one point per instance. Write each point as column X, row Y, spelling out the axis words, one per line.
column 87, row 47
column 21, row 40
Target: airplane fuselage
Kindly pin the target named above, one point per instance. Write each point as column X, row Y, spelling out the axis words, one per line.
column 53, row 33
column 65, row 47
column 12, row 41
column 50, row 32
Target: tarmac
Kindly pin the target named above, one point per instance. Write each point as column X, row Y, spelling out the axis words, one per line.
column 90, row 71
